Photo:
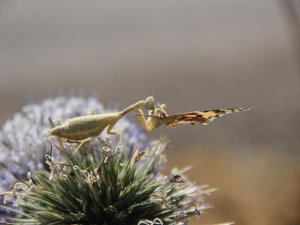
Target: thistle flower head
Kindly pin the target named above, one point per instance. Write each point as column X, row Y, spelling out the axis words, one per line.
column 107, row 184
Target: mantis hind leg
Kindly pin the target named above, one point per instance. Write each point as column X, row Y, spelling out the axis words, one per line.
column 81, row 144
column 78, row 147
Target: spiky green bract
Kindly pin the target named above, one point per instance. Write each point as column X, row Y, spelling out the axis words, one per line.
column 106, row 185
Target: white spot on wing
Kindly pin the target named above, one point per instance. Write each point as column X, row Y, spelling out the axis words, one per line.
column 212, row 118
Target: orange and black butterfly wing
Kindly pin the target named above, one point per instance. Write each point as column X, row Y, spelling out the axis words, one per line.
column 199, row 117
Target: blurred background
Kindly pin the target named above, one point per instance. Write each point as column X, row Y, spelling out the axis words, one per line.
column 191, row 55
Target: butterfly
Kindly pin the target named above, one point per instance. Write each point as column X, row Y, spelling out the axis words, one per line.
column 195, row 117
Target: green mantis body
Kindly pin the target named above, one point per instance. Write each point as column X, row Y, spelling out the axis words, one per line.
column 85, row 127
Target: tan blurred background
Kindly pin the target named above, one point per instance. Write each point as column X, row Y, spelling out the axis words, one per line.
column 191, row 55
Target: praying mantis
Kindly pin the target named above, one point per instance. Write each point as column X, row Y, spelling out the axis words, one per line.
column 85, row 127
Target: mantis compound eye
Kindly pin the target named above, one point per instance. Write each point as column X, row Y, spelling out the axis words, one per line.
column 149, row 103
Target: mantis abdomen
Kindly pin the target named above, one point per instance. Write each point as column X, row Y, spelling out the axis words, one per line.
column 83, row 127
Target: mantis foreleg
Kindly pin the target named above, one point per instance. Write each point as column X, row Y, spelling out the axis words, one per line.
column 147, row 124
column 132, row 107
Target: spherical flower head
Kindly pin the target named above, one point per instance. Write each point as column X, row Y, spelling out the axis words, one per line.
column 101, row 185
column 22, row 137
